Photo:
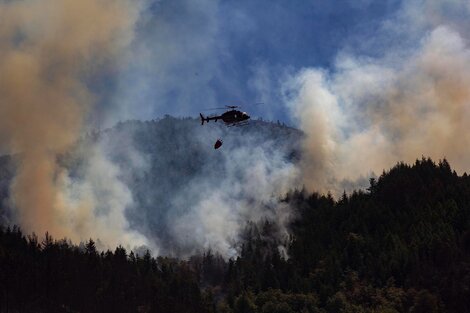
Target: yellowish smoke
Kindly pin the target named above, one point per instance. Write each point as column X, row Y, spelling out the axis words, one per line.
column 48, row 48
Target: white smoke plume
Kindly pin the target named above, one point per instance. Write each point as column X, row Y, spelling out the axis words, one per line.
column 370, row 113
column 255, row 180
column 190, row 197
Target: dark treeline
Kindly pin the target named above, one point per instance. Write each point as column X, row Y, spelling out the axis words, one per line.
column 56, row 276
column 401, row 246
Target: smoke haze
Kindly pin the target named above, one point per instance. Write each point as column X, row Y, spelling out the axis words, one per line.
column 51, row 53
column 48, row 49
column 370, row 113
column 189, row 197
column 399, row 94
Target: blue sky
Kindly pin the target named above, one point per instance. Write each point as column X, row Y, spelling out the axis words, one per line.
column 370, row 83
column 189, row 55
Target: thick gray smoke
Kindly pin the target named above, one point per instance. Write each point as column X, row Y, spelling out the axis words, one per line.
column 191, row 197
column 254, row 179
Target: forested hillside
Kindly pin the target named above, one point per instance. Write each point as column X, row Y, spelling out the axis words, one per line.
column 169, row 168
column 403, row 245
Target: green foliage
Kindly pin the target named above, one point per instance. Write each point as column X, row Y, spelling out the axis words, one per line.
column 402, row 246
column 55, row 276
column 274, row 300
column 245, row 304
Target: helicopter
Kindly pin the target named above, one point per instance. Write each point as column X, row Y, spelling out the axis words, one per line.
column 232, row 117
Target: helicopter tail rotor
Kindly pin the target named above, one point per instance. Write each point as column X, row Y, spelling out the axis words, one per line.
column 202, row 118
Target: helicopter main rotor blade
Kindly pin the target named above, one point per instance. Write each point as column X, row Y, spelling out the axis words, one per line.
column 214, row 109
column 243, row 105
column 232, row 106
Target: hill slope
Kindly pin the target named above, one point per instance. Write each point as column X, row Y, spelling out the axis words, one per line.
column 402, row 246
column 180, row 186
column 181, row 179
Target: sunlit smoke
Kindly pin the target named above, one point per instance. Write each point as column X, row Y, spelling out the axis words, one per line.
column 369, row 113
column 48, row 50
